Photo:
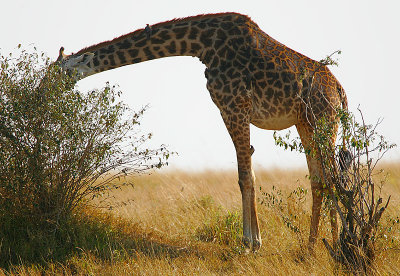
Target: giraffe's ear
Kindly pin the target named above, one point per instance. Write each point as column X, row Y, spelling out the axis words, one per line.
column 87, row 57
column 81, row 60
column 80, row 63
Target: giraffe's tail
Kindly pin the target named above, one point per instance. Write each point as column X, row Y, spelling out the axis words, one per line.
column 345, row 156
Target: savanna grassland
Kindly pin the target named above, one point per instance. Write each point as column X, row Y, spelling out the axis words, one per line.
column 189, row 223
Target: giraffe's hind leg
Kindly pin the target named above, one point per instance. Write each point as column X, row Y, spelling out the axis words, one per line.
column 315, row 171
column 239, row 130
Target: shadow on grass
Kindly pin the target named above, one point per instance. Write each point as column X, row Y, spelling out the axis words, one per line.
column 24, row 241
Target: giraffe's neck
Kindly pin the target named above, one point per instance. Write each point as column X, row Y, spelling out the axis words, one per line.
column 200, row 36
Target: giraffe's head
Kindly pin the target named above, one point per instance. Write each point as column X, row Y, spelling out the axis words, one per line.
column 76, row 65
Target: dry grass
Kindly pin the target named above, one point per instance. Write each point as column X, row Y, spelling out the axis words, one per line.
column 168, row 216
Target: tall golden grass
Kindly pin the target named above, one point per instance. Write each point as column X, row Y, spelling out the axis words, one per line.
column 184, row 223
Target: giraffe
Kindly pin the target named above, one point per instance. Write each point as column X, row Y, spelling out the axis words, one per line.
column 252, row 79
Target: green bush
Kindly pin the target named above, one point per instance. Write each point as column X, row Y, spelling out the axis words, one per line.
column 60, row 147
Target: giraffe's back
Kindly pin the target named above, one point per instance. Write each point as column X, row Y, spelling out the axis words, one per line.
column 284, row 80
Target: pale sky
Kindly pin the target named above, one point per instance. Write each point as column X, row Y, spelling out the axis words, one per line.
column 181, row 112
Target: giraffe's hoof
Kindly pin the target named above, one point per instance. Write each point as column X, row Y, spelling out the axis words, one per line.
column 246, row 242
column 310, row 248
column 246, row 251
column 256, row 245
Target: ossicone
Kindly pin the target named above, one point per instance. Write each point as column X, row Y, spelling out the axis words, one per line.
column 61, row 54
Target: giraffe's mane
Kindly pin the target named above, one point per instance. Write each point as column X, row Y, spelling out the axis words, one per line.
column 192, row 18
column 173, row 21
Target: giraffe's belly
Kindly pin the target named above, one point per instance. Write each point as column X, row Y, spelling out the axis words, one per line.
column 267, row 120
column 273, row 124
column 274, row 109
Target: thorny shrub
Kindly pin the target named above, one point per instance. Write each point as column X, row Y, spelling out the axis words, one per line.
column 60, row 147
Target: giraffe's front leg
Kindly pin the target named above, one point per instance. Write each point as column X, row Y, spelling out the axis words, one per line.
column 246, row 188
column 239, row 130
column 247, row 182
